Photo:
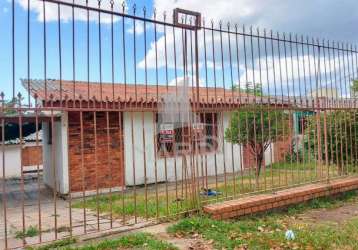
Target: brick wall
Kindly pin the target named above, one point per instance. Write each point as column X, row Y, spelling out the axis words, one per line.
column 109, row 162
column 281, row 148
column 31, row 156
column 249, row 160
column 264, row 202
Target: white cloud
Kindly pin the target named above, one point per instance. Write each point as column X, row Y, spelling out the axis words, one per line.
column 139, row 28
column 66, row 12
column 313, row 18
column 303, row 16
column 282, row 75
column 179, row 81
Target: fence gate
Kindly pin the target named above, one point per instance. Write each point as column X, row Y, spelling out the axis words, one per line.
column 136, row 116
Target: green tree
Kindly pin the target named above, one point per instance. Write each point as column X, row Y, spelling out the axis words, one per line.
column 256, row 127
column 249, row 89
column 332, row 137
column 9, row 106
column 354, row 87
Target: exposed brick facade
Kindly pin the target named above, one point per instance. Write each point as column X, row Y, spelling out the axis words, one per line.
column 31, row 156
column 249, row 160
column 264, row 202
column 281, row 148
column 108, row 170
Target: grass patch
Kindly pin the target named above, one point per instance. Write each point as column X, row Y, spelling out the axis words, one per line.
column 277, row 176
column 131, row 241
column 269, row 233
column 60, row 244
column 31, row 231
column 267, row 230
column 324, row 202
column 143, row 208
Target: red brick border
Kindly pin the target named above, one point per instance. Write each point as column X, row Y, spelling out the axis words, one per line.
column 264, row 202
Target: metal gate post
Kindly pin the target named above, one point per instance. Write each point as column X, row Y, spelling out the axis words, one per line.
column 196, row 106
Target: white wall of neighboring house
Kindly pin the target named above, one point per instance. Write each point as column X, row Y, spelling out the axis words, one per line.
column 269, row 154
column 12, row 155
column 324, row 92
column 12, row 161
column 60, row 162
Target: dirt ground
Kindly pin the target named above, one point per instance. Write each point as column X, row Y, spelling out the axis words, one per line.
column 332, row 215
column 193, row 243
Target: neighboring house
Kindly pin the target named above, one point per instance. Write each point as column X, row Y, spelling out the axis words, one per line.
column 324, row 97
column 325, row 92
column 102, row 149
column 28, row 154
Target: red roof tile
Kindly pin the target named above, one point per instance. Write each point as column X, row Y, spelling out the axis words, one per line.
column 126, row 92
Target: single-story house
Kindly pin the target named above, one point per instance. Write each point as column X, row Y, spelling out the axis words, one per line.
column 117, row 140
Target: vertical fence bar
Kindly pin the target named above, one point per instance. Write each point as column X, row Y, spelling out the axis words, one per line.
column 96, row 161
column 325, row 128
column 121, row 143
column 263, row 142
column 22, row 185
column 256, row 146
column 275, row 98
column 53, row 163
column 239, row 106
column 231, row 109
column 143, row 123
column 214, row 117
column 125, row 101
column 38, row 169
column 28, row 49
column 83, row 171
column 132, row 114
column 69, row 179
column 4, row 191
column 155, row 119
column 109, row 165
column 222, row 111
column 177, row 105
column 13, row 47
column 268, row 105
column 167, row 83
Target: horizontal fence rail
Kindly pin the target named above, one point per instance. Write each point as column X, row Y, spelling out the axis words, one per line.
column 116, row 116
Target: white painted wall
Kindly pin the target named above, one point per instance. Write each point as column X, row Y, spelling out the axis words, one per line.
column 12, row 161
column 136, row 158
column 12, row 155
column 269, row 155
column 60, row 162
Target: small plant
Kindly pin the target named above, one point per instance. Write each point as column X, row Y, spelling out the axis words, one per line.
column 55, row 245
column 297, row 153
column 31, row 231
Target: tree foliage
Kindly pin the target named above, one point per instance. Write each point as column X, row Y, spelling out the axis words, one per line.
column 257, row 127
column 332, row 137
column 354, row 87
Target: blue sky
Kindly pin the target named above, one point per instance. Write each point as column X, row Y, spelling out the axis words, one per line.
column 330, row 19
